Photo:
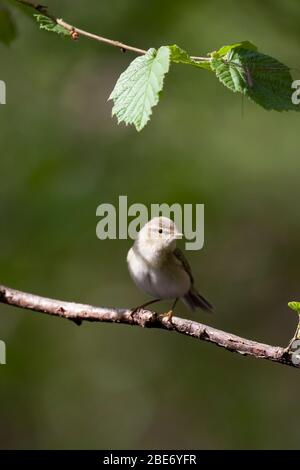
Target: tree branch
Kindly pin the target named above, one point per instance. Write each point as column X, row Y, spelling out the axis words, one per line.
column 147, row 319
column 80, row 32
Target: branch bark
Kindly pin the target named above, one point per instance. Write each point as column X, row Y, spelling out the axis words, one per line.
column 80, row 32
column 147, row 319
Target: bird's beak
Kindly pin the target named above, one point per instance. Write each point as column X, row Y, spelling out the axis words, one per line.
column 178, row 235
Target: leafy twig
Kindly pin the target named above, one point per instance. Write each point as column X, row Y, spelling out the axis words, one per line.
column 239, row 66
column 81, row 32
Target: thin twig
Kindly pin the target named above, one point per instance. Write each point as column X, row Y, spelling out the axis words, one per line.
column 146, row 319
column 111, row 42
column 124, row 47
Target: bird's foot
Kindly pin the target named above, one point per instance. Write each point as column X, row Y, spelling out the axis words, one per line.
column 133, row 311
column 141, row 307
column 168, row 315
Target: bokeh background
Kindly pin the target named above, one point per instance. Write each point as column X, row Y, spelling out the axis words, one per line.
column 109, row 386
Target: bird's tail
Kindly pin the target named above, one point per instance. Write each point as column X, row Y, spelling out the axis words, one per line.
column 194, row 300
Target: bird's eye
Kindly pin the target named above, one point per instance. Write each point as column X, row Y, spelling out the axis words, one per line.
column 160, row 230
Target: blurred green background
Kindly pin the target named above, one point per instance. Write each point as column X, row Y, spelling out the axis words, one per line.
column 108, row 386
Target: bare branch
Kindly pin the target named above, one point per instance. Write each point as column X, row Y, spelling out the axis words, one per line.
column 80, row 32
column 111, row 42
column 146, row 319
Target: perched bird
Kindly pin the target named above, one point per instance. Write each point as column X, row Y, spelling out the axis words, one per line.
column 159, row 268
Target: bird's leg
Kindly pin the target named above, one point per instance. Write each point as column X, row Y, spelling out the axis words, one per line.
column 168, row 315
column 150, row 302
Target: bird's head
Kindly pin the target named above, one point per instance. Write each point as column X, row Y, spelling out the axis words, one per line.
column 160, row 233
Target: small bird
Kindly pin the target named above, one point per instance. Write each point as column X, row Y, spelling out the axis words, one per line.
column 159, row 268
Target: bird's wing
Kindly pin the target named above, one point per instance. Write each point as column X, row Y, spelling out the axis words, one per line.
column 184, row 262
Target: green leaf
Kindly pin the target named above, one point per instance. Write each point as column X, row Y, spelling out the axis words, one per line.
column 8, row 30
column 225, row 49
column 260, row 77
column 178, row 55
column 50, row 25
column 137, row 89
column 295, row 306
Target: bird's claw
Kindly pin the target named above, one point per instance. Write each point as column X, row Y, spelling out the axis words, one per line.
column 133, row 312
column 168, row 315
